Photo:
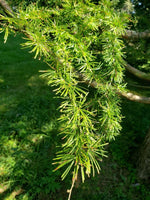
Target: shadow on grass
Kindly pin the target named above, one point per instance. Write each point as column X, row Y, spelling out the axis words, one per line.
column 28, row 127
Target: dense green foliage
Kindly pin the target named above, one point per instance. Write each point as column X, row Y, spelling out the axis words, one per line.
column 28, row 138
column 78, row 37
column 80, row 41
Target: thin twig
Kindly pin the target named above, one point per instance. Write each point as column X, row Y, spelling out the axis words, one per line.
column 70, row 191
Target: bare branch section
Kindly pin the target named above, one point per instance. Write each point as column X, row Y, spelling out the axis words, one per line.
column 4, row 4
column 136, row 35
column 133, row 97
column 138, row 73
column 94, row 84
column 128, row 95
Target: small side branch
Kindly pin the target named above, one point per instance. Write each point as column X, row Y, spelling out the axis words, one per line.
column 136, row 35
column 70, row 191
column 4, row 4
column 128, row 95
column 133, row 97
column 138, row 73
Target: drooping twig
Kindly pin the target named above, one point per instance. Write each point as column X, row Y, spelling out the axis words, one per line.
column 129, row 34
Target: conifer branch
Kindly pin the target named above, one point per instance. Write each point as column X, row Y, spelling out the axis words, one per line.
column 82, row 146
column 94, row 84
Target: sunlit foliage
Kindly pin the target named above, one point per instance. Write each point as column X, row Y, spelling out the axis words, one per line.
column 78, row 39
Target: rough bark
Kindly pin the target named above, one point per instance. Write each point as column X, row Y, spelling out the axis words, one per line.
column 144, row 159
column 138, row 73
column 129, row 34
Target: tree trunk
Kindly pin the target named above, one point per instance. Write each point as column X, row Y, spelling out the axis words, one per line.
column 144, row 159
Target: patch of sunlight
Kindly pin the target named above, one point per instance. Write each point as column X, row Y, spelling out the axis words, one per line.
column 145, row 66
column 25, row 197
column 3, row 188
column 10, row 145
column 3, row 108
column 1, row 80
column 34, row 81
column 15, row 193
column 48, row 127
column 3, row 171
column 7, row 164
column 36, row 138
column 6, row 100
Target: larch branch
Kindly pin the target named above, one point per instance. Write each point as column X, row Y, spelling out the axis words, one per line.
column 129, row 34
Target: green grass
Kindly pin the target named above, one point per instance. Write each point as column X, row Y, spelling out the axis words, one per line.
column 28, row 124
column 28, row 139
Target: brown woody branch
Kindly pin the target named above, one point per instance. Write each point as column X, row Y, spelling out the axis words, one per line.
column 128, row 95
column 129, row 34
column 138, row 73
column 4, row 4
column 133, row 97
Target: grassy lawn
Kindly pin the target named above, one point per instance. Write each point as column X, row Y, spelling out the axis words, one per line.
column 28, row 139
column 28, row 125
